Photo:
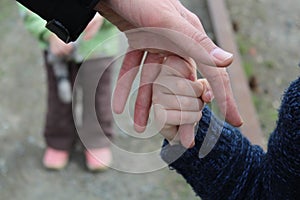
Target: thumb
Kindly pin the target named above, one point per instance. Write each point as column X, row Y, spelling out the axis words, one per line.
column 200, row 43
column 190, row 25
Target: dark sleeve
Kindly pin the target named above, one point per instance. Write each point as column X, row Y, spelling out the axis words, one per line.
column 235, row 169
column 282, row 165
column 66, row 18
column 224, row 173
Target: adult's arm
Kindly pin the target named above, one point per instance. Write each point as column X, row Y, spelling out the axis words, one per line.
column 180, row 31
column 66, row 18
column 166, row 25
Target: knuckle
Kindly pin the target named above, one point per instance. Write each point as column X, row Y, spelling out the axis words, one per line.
column 225, row 76
column 200, row 37
column 218, row 75
column 158, row 21
column 195, row 19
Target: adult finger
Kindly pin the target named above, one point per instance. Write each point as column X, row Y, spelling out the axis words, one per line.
column 219, row 57
column 127, row 74
column 190, row 25
column 220, row 83
column 150, row 70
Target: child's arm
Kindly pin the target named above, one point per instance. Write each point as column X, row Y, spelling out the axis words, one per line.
column 178, row 101
column 36, row 26
column 234, row 169
column 282, row 161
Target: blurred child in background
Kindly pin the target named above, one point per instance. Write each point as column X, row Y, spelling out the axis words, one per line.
column 62, row 62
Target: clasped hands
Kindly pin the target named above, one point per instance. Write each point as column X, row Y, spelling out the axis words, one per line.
column 165, row 28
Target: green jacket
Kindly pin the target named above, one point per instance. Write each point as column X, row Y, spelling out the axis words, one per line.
column 101, row 45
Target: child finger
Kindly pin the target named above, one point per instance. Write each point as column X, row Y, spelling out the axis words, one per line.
column 178, row 102
column 179, row 86
column 187, row 136
column 207, row 94
column 175, row 117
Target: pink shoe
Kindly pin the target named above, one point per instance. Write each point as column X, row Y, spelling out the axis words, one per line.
column 55, row 159
column 98, row 159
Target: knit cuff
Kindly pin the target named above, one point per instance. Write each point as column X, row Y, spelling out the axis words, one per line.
column 219, row 133
column 225, row 166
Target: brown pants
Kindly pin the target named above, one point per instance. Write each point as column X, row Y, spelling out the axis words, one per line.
column 60, row 132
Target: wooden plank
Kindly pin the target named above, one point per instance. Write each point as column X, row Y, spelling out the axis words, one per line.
column 225, row 38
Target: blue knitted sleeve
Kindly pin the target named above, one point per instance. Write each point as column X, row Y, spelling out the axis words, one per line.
column 225, row 171
column 235, row 169
column 282, row 164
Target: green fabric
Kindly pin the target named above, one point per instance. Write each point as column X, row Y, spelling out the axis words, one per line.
column 95, row 47
column 104, row 43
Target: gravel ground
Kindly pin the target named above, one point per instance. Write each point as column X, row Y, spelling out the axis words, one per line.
column 267, row 34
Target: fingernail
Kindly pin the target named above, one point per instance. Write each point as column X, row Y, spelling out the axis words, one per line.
column 192, row 77
column 209, row 95
column 220, row 54
column 192, row 145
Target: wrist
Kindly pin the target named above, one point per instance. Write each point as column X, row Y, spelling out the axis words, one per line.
column 52, row 38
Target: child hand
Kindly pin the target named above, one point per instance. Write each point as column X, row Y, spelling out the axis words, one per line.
column 93, row 27
column 178, row 99
column 58, row 47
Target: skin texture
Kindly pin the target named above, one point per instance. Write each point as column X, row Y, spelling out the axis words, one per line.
column 178, row 100
column 58, row 47
column 93, row 27
column 183, row 33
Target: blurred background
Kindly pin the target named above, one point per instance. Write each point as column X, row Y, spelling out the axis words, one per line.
column 267, row 35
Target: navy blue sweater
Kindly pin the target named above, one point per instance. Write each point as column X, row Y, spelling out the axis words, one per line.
column 235, row 169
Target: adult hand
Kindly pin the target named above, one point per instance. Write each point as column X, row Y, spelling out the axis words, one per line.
column 93, row 27
column 58, row 47
column 178, row 100
column 187, row 38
